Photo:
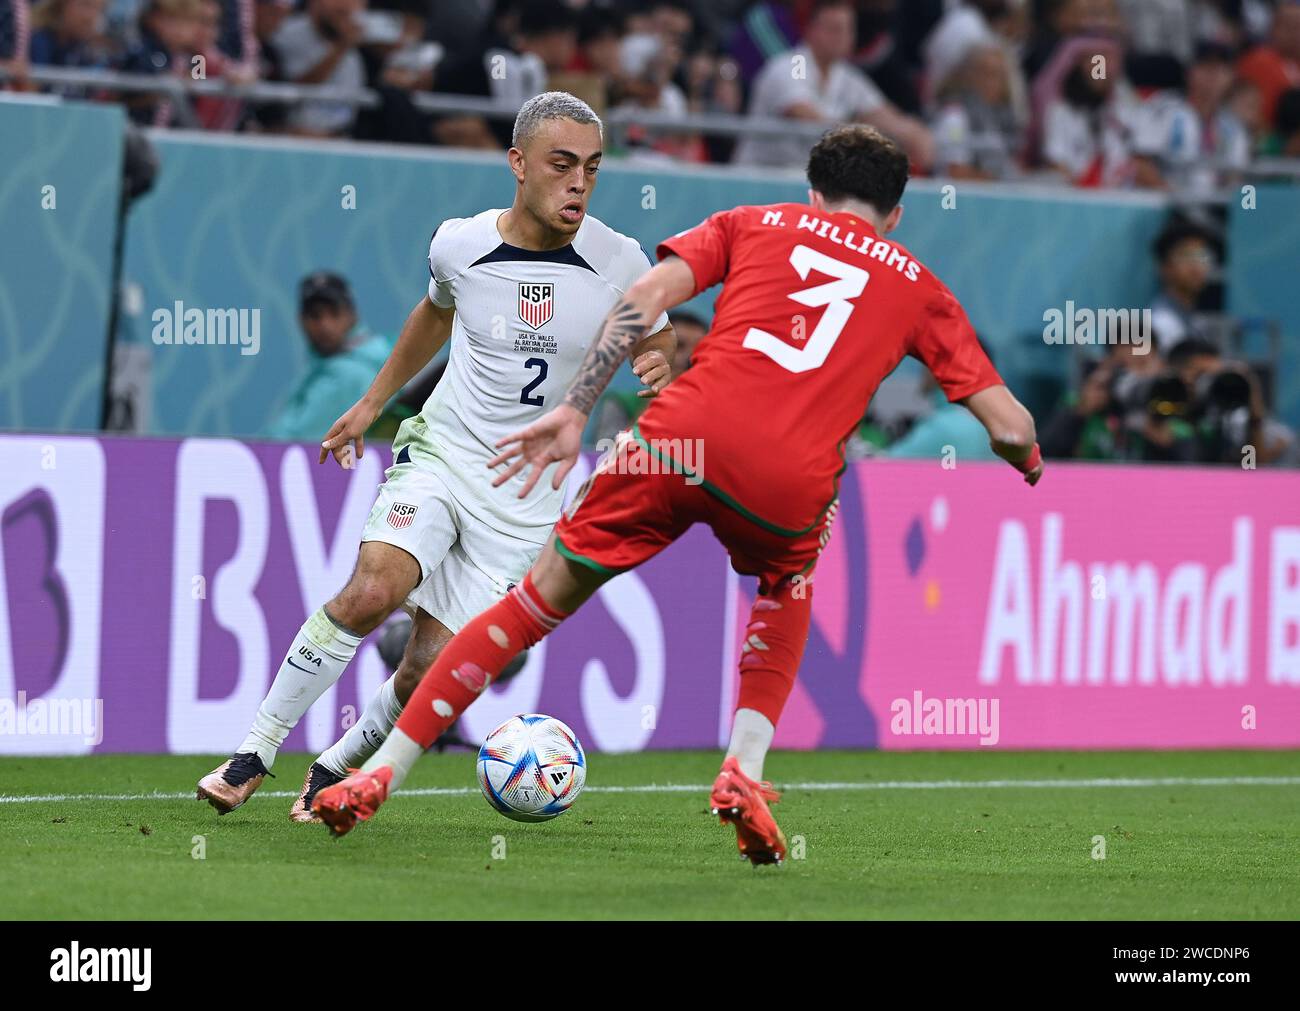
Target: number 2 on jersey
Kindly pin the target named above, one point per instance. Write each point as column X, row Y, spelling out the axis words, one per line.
column 526, row 394
column 834, row 295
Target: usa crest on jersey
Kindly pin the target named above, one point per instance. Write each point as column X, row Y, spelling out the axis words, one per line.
column 536, row 303
column 401, row 515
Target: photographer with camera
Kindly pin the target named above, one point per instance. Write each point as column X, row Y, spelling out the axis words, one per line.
column 1129, row 407
column 1227, row 410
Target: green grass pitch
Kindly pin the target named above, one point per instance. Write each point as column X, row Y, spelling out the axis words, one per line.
column 874, row 842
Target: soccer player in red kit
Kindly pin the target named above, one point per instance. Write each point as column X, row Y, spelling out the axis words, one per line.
column 817, row 307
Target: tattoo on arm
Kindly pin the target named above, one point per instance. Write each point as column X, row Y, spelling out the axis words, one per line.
column 623, row 327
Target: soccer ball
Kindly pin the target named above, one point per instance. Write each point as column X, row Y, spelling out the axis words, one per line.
column 531, row 768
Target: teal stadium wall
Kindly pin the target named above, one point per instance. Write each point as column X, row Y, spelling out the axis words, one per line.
column 56, row 246
column 236, row 222
column 1263, row 274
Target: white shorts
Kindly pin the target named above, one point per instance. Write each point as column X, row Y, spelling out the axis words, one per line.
column 466, row 565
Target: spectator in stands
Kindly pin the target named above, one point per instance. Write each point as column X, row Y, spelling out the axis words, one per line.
column 1184, row 253
column 1088, row 129
column 712, row 82
column 1240, row 24
column 1245, row 103
column 67, row 33
column 966, row 25
column 528, row 42
column 15, row 36
column 651, row 61
column 168, row 33
column 398, row 60
column 1160, row 28
column 1192, row 142
column 879, row 54
column 214, row 112
column 599, row 51
column 978, row 25
column 345, row 357
column 975, row 129
column 1058, row 21
column 457, row 25
column 398, row 54
column 673, row 21
column 814, row 82
column 268, row 18
column 1274, row 66
column 123, row 19
column 320, row 46
column 236, row 35
column 1284, row 141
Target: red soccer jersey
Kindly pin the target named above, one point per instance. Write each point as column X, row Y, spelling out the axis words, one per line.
column 815, row 311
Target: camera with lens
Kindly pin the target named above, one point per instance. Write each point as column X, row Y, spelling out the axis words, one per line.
column 1222, row 414
column 1138, row 397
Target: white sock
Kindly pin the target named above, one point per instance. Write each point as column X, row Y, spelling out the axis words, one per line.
column 751, row 737
column 320, row 653
column 365, row 736
column 400, row 752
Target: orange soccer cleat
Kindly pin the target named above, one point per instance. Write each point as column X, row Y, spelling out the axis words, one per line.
column 355, row 799
column 740, row 801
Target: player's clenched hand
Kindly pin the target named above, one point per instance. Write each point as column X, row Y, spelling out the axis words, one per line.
column 349, row 429
column 652, row 368
column 556, row 437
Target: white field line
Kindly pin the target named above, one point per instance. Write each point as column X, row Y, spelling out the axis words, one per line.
column 898, row 784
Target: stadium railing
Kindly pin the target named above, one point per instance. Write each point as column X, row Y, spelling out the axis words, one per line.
column 278, row 93
column 618, row 120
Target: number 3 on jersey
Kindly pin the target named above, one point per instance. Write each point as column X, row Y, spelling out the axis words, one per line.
column 835, row 295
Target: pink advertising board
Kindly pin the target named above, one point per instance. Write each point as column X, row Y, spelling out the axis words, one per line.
column 148, row 587
column 1109, row 607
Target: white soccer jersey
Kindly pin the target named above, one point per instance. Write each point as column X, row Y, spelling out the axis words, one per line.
column 524, row 320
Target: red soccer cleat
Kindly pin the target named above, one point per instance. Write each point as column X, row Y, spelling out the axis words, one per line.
column 355, row 799
column 740, row 801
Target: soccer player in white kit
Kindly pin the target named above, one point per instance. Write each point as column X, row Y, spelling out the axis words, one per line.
column 520, row 293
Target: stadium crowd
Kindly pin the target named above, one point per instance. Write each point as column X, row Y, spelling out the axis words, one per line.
column 1167, row 94
column 1173, row 95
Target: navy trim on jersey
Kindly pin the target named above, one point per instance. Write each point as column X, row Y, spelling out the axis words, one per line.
column 506, row 253
column 430, row 257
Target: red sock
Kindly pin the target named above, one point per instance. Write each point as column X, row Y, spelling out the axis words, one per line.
column 467, row 664
column 773, row 649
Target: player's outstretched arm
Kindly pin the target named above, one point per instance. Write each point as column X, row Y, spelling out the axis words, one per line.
column 1010, row 428
column 556, row 437
column 423, row 334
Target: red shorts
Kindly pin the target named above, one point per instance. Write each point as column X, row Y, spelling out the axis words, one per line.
column 634, row 505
